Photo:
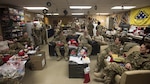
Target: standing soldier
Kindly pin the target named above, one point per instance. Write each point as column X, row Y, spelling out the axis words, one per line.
column 83, row 25
column 44, row 38
column 99, row 28
column 138, row 60
column 90, row 27
column 36, row 33
column 73, row 26
column 60, row 41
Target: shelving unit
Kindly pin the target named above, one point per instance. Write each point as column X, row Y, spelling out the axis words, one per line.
column 11, row 21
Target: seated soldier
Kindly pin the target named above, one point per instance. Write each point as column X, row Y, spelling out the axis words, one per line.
column 98, row 38
column 110, row 34
column 60, row 41
column 83, row 41
column 72, row 40
column 25, row 40
column 138, row 60
column 114, row 48
column 9, row 47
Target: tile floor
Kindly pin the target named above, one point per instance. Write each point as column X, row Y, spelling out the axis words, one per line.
column 56, row 72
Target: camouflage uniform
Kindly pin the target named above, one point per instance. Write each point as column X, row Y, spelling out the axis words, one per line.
column 36, row 33
column 99, row 29
column 44, row 38
column 137, row 61
column 84, row 43
column 90, row 28
column 11, row 52
column 62, row 39
column 13, row 48
column 116, row 49
column 25, row 41
column 16, row 46
column 1, row 61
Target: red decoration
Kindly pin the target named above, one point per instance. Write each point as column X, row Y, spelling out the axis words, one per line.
column 86, row 78
column 6, row 58
column 21, row 53
column 111, row 60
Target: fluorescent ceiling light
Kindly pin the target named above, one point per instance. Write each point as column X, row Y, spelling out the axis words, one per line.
column 52, row 14
column 80, row 7
column 102, row 13
column 123, row 7
column 77, row 13
column 35, row 8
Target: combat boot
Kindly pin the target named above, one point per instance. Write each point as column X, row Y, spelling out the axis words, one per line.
column 96, row 69
column 59, row 58
column 108, row 80
column 66, row 58
column 100, row 79
column 99, row 75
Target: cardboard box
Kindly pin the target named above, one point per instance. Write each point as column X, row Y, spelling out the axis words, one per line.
column 37, row 61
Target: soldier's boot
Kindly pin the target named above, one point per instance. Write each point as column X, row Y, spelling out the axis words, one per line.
column 99, row 74
column 59, row 58
column 66, row 54
column 66, row 58
column 97, row 69
column 100, row 79
column 107, row 80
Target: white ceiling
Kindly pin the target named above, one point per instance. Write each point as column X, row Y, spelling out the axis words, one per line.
column 103, row 6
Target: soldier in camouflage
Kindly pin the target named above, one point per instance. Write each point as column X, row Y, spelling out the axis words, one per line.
column 36, row 33
column 99, row 28
column 115, row 48
column 9, row 47
column 138, row 60
column 1, row 61
column 25, row 40
column 60, row 41
column 90, row 27
column 83, row 42
column 44, row 38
